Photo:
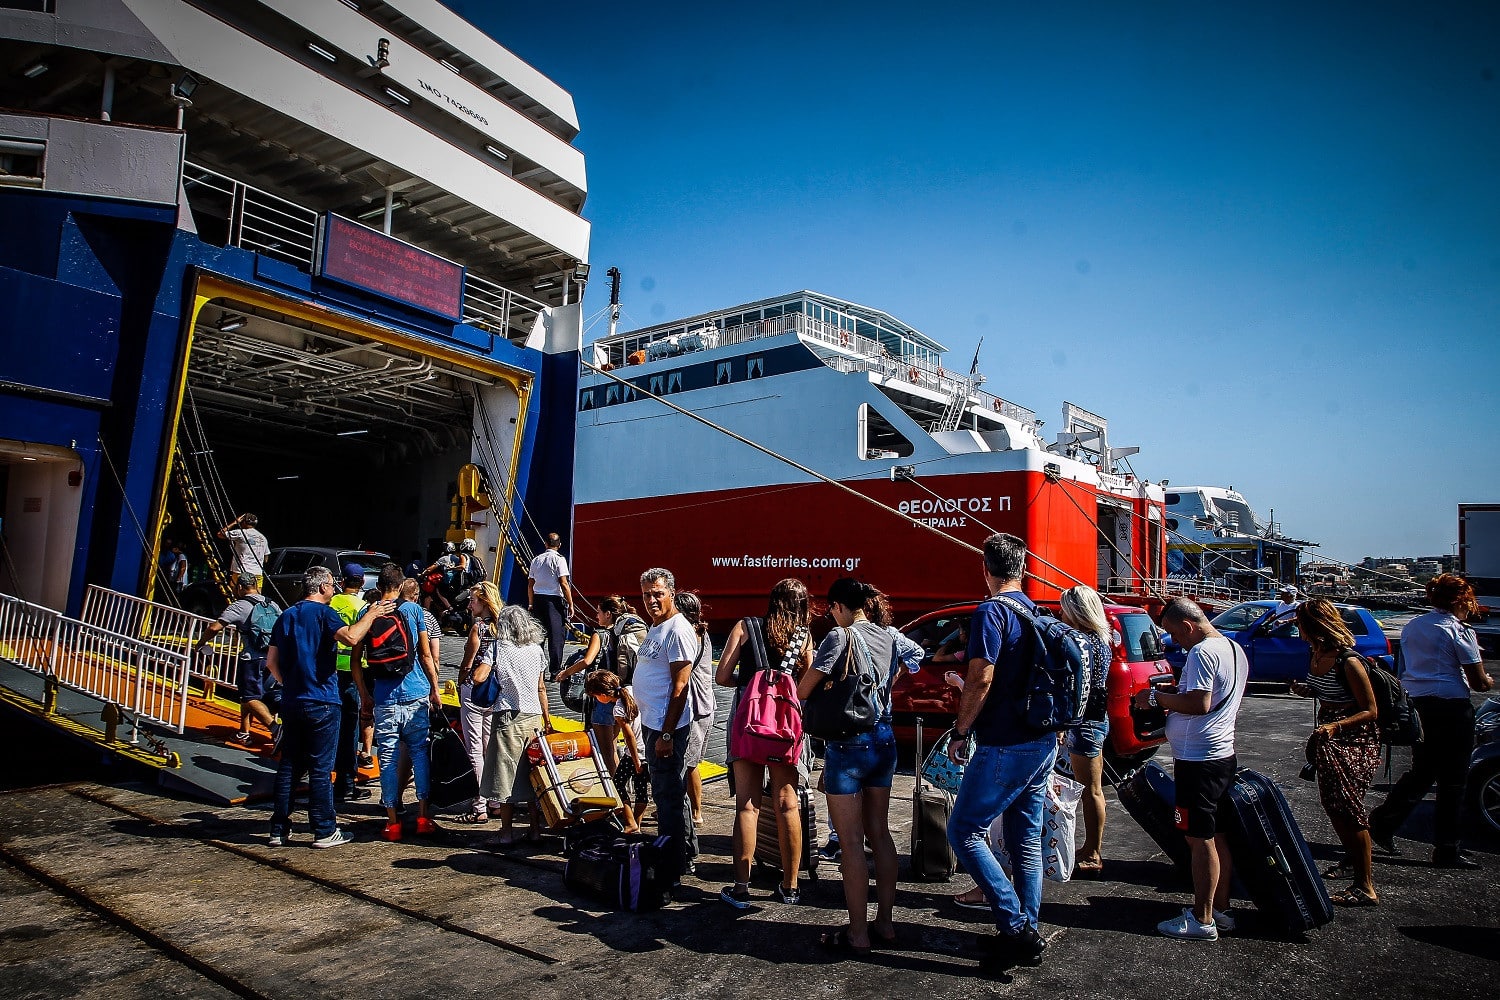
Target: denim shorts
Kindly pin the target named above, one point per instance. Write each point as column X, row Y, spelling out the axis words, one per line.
column 863, row 762
column 1088, row 739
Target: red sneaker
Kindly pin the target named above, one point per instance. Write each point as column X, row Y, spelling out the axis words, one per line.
column 426, row 827
column 392, row 832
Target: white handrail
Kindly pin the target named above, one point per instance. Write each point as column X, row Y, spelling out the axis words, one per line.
column 145, row 680
column 167, row 627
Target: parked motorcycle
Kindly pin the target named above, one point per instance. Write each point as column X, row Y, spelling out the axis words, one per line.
column 1484, row 766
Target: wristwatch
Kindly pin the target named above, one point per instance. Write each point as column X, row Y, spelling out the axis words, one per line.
column 666, row 736
column 1151, row 698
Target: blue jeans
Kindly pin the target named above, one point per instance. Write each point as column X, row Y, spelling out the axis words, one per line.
column 674, row 819
column 310, row 737
column 343, row 760
column 850, row 766
column 1009, row 781
column 397, row 723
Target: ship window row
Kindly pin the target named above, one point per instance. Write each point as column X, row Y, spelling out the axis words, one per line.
column 667, row 383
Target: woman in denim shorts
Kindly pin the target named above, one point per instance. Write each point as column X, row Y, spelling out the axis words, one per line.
column 1081, row 608
column 857, row 771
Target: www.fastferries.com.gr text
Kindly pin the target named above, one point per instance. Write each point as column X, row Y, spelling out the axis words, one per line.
column 846, row 563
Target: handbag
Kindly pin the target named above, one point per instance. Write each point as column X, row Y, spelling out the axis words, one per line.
column 1059, row 825
column 939, row 771
column 847, row 703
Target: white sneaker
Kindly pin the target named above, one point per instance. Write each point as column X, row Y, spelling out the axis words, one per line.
column 1224, row 922
column 275, row 840
column 1187, row 928
column 334, row 839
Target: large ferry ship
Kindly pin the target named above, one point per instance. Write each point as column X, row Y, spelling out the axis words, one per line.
column 1217, row 539
column 873, row 460
column 320, row 260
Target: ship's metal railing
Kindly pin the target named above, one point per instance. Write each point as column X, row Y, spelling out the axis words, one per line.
column 169, row 628
column 269, row 224
column 1173, row 587
column 148, row 682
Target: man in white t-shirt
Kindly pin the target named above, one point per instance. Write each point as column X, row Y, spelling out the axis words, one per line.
column 663, row 672
column 550, row 597
column 250, row 548
column 1201, row 710
column 1288, row 601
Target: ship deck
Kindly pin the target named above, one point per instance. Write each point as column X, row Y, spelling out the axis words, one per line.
column 123, row 891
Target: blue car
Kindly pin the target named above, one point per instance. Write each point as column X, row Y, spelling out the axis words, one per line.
column 1275, row 646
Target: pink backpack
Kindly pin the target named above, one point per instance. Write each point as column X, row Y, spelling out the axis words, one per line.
column 767, row 726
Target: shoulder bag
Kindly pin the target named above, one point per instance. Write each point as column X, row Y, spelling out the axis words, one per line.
column 847, row 703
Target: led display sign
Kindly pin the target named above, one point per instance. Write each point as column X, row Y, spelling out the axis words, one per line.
column 374, row 262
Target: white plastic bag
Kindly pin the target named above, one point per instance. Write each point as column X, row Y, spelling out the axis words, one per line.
column 1059, row 824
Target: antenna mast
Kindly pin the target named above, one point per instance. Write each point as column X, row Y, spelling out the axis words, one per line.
column 614, row 299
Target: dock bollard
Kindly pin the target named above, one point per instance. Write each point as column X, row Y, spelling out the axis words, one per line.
column 50, row 687
column 111, row 718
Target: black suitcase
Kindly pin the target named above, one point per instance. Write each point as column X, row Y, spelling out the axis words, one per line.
column 1271, row 857
column 622, row 870
column 1149, row 795
column 768, row 844
column 932, row 857
column 453, row 778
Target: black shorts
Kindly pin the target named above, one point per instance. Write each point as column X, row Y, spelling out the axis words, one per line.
column 1201, row 788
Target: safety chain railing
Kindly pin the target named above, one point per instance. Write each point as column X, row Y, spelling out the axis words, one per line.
column 169, row 628
column 147, row 682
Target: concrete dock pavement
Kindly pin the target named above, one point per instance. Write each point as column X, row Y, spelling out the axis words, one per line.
column 121, row 892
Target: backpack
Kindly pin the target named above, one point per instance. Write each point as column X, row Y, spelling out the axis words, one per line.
column 622, row 655
column 390, row 648
column 1397, row 720
column 1059, row 675
column 847, row 704
column 255, row 633
column 767, row 727
column 475, row 574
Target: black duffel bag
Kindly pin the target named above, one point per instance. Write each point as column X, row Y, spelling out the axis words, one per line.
column 453, row 777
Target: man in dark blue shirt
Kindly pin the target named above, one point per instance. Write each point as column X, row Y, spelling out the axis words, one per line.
column 1012, row 762
column 304, row 658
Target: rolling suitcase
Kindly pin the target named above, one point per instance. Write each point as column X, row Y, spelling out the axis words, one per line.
column 1271, row 857
column 932, row 857
column 1148, row 794
column 768, row 844
column 453, row 778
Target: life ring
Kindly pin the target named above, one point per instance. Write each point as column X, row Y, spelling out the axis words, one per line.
column 843, row 339
column 913, row 375
column 997, row 404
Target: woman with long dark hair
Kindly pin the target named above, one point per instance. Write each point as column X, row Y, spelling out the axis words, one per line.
column 619, row 632
column 1443, row 666
column 784, row 635
column 700, row 699
column 857, row 770
column 1345, row 746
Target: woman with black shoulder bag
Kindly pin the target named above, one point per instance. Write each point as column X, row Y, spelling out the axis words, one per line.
column 847, row 692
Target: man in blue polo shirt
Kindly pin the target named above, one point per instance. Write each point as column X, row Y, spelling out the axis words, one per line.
column 1008, row 774
column 400, row 701
column 303, row 657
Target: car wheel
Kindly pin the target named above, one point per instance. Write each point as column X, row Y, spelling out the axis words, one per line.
column 1484, row 794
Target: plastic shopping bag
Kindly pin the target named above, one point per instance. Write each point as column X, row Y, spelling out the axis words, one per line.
column 1059, row 824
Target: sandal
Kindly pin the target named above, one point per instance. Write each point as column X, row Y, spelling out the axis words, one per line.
column 1086, row 870
column 1339, row 871
column 971, row 904
column 837, row 940
column 890, row 940
column 1355, row 896
column 474, row 818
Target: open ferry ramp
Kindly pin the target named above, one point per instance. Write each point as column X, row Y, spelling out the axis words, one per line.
column 126, row 888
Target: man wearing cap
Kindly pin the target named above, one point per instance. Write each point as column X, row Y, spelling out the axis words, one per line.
column 251, row 550
column 1288, row 602
column 254, row 687
column 349, row 602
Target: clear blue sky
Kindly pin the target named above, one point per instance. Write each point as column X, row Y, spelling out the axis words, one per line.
column 1265, row 241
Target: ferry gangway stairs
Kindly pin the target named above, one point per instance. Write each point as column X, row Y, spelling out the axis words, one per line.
column 148, row 682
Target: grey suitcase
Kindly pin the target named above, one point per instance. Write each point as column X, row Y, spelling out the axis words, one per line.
column 932, row 857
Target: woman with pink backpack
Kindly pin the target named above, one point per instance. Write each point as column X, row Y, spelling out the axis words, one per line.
column 763, row 659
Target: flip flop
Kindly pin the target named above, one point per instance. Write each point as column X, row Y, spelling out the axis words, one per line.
column 473, row 818
column 1355, row 896
column 837, row 940
column 969, row 904
column 891, row 940
column 1089, row 871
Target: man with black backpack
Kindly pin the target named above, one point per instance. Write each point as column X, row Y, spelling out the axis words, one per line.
column 1012, row 760
column 254, row 616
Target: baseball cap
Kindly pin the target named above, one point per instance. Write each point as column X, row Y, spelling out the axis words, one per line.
column 354, row 571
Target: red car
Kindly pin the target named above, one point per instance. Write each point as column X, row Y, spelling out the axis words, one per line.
column 1137, row 659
